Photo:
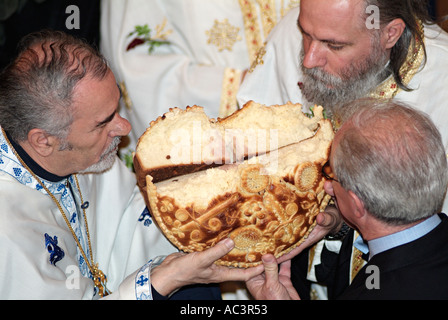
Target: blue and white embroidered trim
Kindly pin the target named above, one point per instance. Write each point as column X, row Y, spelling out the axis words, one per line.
column 143, row 283
column 145, row 217
column 56, row 253
column 10, row 165
column 143, row 279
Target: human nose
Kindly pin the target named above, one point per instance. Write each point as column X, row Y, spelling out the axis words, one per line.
column 314, row 55
column 122, row 127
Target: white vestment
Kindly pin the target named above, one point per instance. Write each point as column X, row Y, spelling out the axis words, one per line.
column 276, row 77
column 39, row 256
column 210, row 44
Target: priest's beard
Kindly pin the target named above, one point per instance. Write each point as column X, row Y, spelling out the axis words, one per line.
column 355, row 81
column 107, row 159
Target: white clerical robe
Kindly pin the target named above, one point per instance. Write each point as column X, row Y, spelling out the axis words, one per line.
column 276, row 77
column 39, row 256
column 210, row 44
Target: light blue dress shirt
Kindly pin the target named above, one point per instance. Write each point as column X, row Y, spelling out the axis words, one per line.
column 379, row 245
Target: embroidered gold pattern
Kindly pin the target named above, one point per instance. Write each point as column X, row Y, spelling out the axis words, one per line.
column 357, row 260
column 268, row 15
column 357, row 263
column 231, row 84
column 251, row 27
column 269, row 19
column 223, row 35
column 161, row 33
column 125, row 95
column 258, row 59
column 311, row 254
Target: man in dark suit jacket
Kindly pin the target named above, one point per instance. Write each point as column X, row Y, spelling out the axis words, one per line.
column 388, row 174
column 416, row 270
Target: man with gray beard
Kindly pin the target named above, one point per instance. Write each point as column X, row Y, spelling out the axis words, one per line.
column 106, row 159
column 354, row 81
column 331, row 52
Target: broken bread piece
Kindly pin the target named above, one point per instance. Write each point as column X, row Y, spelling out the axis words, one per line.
column 267, row 202
column 185, row 141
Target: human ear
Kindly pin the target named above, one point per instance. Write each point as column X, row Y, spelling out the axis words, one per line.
column 41, row 142
column 357, row 205
column 392, row 32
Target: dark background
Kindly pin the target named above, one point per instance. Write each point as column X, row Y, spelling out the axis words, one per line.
column 441, row 10
column 32, row 15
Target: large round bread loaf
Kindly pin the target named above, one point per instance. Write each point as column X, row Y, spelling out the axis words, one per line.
column 265, row 198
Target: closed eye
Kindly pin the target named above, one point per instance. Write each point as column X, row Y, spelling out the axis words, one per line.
column 335, row 47
column 106, row 121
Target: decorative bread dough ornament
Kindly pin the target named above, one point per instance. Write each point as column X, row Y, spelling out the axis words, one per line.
column 266, row 200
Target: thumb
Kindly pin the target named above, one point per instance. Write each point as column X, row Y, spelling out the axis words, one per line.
column 218, row 251
column 270, row 268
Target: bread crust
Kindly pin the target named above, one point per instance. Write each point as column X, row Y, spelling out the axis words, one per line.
column 263, row 208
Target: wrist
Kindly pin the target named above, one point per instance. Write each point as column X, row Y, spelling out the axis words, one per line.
column 164, row 279
column 162, row 282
